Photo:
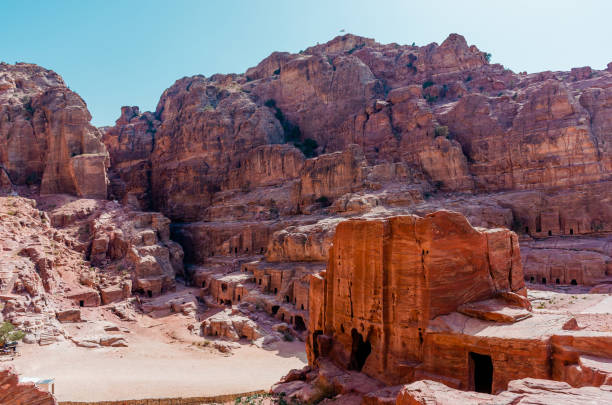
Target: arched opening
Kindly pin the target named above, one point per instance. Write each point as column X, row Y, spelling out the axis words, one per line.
column 275, row 309
column 82, row 303
column 481, row 367
column 359, row 352
column 557, row 281
column 543, row 280
column 571, row 231
column 573, row 282
column 299, row 324
column 549, row 232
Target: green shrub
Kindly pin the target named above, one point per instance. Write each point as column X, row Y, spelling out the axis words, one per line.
column 441, row 130
column 8, row 333
column 427, row 84
column 487, row 56
column 277, row 71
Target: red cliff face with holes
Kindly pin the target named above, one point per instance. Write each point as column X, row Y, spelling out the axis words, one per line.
column 45, row 134
column 387, row 279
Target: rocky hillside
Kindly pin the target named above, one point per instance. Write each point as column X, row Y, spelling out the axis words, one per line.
column 257, row 169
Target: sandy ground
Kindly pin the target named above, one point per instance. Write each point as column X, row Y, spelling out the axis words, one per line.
column 153, row 369
column 164, row 359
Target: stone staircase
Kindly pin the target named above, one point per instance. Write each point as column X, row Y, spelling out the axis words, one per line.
column 47, row 337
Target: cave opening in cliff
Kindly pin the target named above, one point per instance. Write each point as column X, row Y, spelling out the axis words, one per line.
column 481, row 367
column 299, row 324
column 359, row 352
column 275, row 309
column 81, row 303
column 573, row 282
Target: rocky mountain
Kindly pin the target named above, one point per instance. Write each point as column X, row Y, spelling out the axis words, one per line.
column 236, row 184
column 45, row 135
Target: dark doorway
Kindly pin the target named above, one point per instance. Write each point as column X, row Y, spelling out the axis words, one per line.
column 571, row 231
column 81, row 303
column 150, row 293
column 543, row 280
column 275, row 290
column 275, row 309
column 573, row 282
column 481, row 367
column 557, row 281
column 299, row 324
column 549, row 233
column 359, row 352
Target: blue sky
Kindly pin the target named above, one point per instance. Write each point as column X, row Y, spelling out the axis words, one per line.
column 116, row 53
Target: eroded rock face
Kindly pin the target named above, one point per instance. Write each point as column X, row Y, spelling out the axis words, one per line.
column 408, row 298
column 351, row 125
column 387, row 279
column 16, row 393
column 45, row 135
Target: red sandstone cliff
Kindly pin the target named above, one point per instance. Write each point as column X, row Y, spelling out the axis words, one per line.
column 45, row 134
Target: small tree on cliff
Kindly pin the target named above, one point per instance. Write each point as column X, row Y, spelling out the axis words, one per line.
column 8, row 333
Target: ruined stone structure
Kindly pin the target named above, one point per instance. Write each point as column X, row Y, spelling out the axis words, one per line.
column 410, row 298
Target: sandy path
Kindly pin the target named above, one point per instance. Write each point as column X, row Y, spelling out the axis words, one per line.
column 153, row 369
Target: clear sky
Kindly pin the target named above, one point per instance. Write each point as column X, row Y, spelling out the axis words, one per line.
column 116, row 53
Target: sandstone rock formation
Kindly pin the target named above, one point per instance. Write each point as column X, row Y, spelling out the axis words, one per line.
column 526, row 391
column 411, row 298
column 45, row 135
column 14, row 392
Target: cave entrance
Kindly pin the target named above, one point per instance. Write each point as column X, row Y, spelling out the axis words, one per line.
column 299, row 324
column 81, row 303
column 573, row 282
column 360, row 351
column 150, row 293
column 481, row 367
column 275, row 309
